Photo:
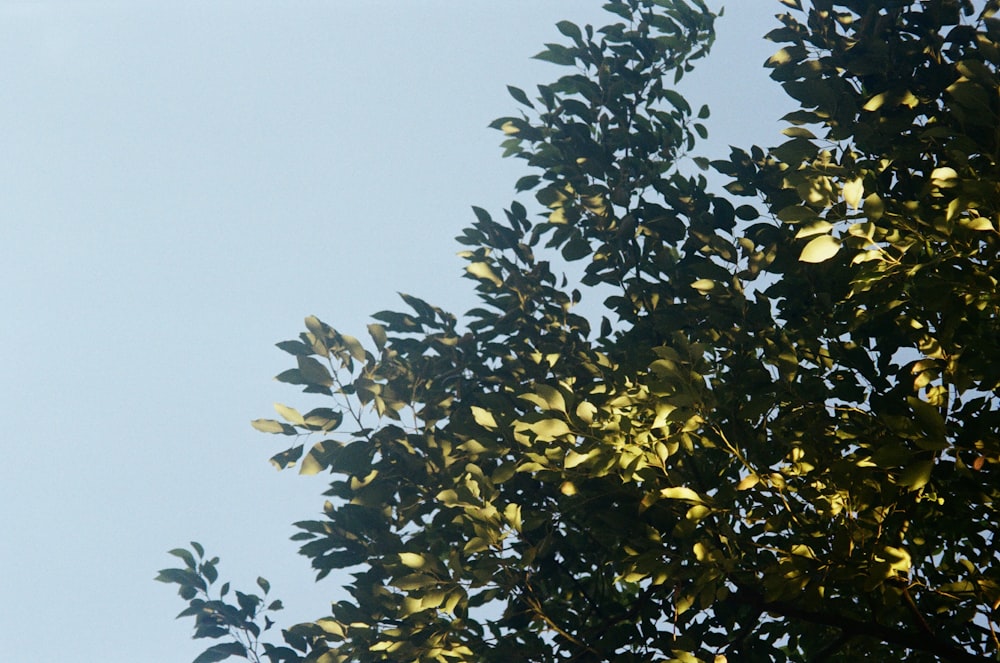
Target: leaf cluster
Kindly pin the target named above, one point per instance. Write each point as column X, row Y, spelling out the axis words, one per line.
column 218, row 617
column 779, row 440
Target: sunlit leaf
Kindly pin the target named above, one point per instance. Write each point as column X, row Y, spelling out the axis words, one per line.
column 289, row 414
column 820, row 249
column 484, row 417
column 853, row 192
column 482, row 270
column 680, row 493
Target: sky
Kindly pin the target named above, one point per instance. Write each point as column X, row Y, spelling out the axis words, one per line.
column 181, row 183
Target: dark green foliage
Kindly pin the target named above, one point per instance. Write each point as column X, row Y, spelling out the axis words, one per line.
column 777, row 440
column 215, row 617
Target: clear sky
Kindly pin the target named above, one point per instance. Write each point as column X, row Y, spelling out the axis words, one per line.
column 181, row 182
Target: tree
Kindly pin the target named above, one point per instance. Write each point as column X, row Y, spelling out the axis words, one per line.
column 773, row 437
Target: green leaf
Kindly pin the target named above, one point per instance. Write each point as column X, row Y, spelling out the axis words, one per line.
column 570, row 30
column 185, row 577
column 209, row 572
column 746, row 414
column 287, row 458
column 527, row 183
column 425, row 312
column 221, row 652
column 929, row 418
column 291, row 376
column 519, row 96
column 576, row 249
column 186, row 556
column 297, row 348
column 820, row 249
column 916, row 475
column 312, row 371
column 557, row 54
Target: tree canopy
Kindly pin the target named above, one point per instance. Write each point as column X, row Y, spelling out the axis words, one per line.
column 689, row 421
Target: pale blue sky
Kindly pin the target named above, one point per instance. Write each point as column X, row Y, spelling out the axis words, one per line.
column 181, row 182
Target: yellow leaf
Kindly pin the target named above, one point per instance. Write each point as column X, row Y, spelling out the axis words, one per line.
column 781, row 57
column 748, row 482
column 311, row 465
column 703, row 285
column 412, row 560
column 803, row 551
column 289, row 414
column 976, row 223
column 874, row 207
column 553, row 398
column 795, row 132
column 697, row 512
column 549, row 429
column 853, row 191
column 820, row 227
column 268, row 425
column 682, row 605
column 681, row 493
column 331, row 626
column 484, row 418
column 512, row 514
column 875, row 102
column 573, row 458
column 482, row 270
column 898, row 558
column 586, row 411
column 820, row 249
column 944, row 177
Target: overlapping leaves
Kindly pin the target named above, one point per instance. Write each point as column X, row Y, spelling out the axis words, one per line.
column 775, row 440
